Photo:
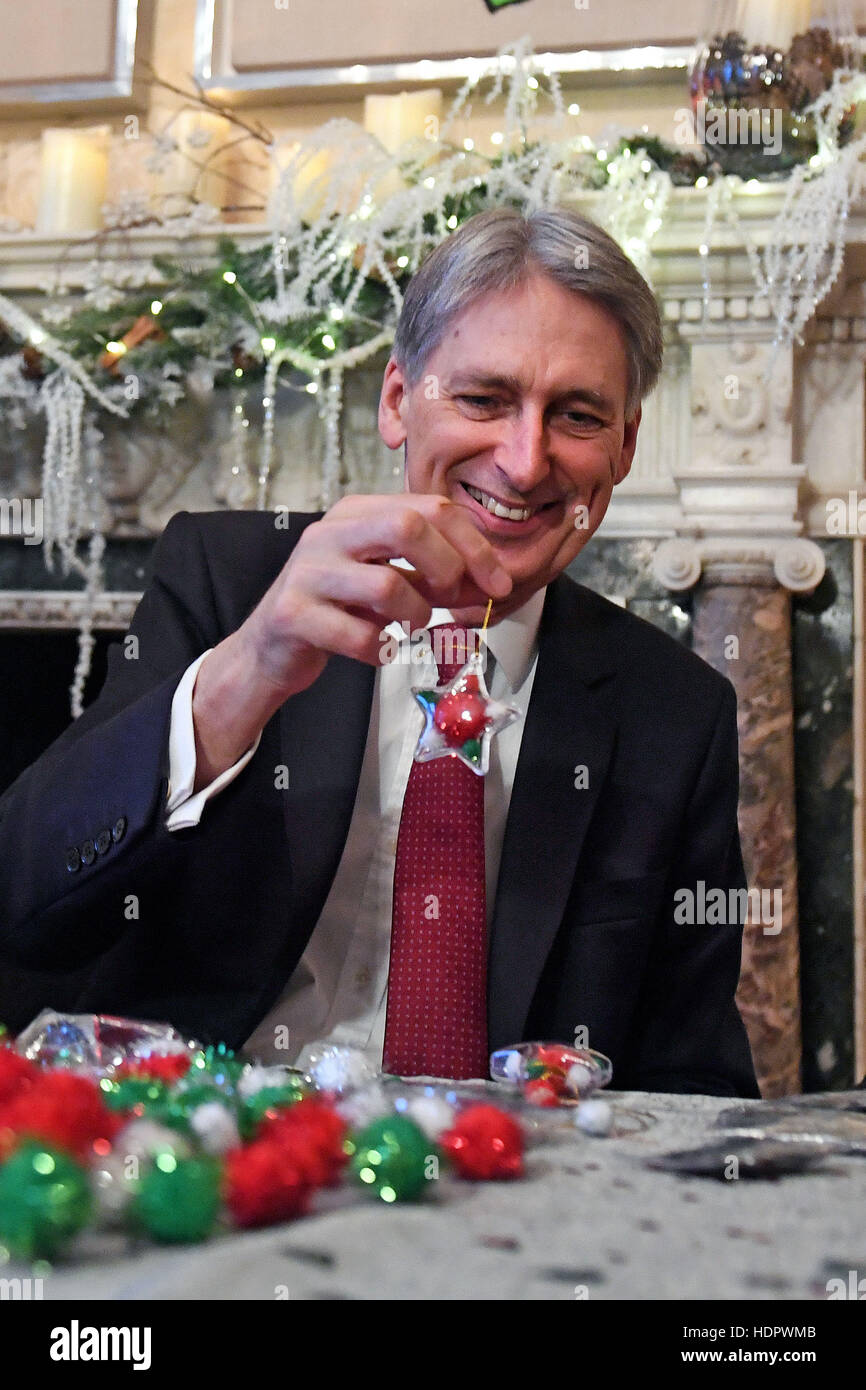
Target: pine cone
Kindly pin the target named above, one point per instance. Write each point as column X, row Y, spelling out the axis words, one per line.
column 32, row 367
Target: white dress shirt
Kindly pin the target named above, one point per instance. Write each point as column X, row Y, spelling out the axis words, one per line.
column 339, row 989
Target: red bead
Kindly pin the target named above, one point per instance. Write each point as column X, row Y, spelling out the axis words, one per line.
column 485, row 1142
column 541, row 1092
column 460, row 717
column 263, row 1184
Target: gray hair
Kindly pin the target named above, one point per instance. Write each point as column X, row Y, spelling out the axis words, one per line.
column 496, row 250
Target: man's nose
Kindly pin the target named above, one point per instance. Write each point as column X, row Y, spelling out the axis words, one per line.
column 525, row 458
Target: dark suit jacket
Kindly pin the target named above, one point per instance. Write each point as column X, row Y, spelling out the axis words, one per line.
column 203, row 927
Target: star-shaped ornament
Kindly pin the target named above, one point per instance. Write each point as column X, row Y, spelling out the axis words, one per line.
column 460, row 718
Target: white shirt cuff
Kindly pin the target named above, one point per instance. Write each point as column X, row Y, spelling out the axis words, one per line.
column 184, row 807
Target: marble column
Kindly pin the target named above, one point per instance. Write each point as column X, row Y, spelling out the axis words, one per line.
column 742, row 627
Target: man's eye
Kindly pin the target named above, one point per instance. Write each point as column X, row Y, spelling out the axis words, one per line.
column 581, row 419
column 480, row 402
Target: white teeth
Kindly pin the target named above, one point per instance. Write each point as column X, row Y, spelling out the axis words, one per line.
column 497, row 508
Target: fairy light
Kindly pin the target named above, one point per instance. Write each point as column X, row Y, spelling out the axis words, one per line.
column 239, row 371
column 646, row 166
column 601, row 156
column 468, row 144
column 328, row 342
column 702, row 182
column 336, row 313
column 574, row 109
column 533, row 83
column 497, row 137
column 36, row 335
column 268, row 344
column 118, row 349
column 402, row 262
column 451, row 222
column 156, row 306
column 312, row 387
column 229, row 277
column 703, row 249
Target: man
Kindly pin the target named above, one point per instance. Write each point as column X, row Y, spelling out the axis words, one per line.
column 234, row 836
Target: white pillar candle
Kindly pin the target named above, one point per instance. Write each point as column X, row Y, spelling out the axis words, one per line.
column 408, row 116
column 394, row 120
column 199, row 137
column 768, row 22
column 72, row 180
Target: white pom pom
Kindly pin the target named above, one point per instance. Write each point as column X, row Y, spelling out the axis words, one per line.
column 256, row 1078
column 364, row 1106
column 594, row 1117
column 579, row 1079
column 341, row 1069
column 215, row 1126
column 432, row 1113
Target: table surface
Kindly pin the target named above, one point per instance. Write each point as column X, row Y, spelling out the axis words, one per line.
column 589, row 1220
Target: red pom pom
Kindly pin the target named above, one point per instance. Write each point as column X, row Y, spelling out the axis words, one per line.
column 555, row 1055
column 485, row 1142
column 168, row 1069
column 63, row 1109
column 263, row 1184
column 312, row 1134
column 544, row 1091
column 16, row 1074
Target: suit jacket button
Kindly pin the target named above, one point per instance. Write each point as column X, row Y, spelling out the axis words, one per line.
column 73, row 860
column 88, row 852
column 118, row 830
column 103, row 841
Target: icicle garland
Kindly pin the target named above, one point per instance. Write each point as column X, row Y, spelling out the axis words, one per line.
column 349, row 223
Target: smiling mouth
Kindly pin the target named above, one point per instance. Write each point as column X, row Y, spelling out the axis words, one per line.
column 502, row 509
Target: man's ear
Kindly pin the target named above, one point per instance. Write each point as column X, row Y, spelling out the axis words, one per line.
column 392, row 405
column 629, row 444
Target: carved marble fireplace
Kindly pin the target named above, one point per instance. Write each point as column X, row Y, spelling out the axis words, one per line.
column 720, row 534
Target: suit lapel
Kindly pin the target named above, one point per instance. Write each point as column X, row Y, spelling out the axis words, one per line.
column 323, row 733
column 570, row 723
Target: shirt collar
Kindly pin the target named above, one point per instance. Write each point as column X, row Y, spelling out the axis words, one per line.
column 513, row 640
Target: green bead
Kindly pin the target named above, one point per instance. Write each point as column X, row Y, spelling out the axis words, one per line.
column 392, row 1158
column 45, row 1199
column 179, row 1198
column 268, row 1098
column 472, row 749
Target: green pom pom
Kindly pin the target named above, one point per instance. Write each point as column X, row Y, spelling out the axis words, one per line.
column 179, row 1199
column 218, row 1062
column 393, row 1158
column 45, row 1199
column 472, row 749
column 134, row 1092
column 268, row 1098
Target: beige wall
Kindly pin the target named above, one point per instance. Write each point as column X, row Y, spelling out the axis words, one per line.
column 171, row 25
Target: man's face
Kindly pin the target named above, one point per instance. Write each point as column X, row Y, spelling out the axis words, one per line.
column 522, row 402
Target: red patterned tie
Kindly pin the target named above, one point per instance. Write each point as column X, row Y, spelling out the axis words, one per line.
column 436, row 1023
